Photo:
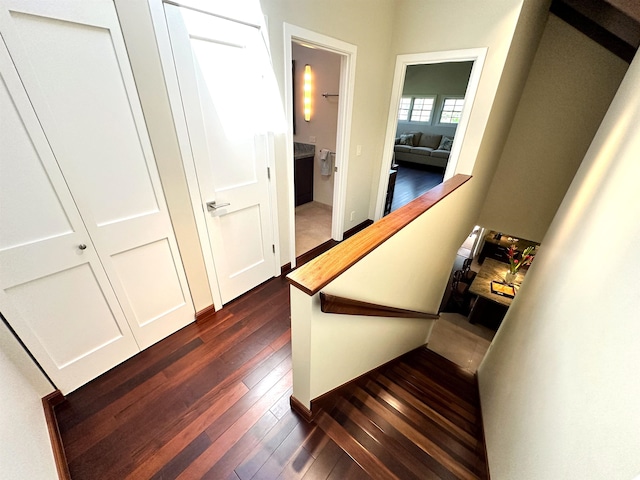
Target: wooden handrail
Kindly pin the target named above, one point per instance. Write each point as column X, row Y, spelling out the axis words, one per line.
column 316, row 274
column 346, row 306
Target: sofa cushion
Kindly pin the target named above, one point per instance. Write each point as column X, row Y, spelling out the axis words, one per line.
column 406, row 139
column 445, row 144
column 416, row 138
column 402, row 148
column 431, row 141
column 440, row 153
column 426, row 151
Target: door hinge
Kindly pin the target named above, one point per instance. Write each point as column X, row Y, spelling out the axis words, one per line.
column 268, row 173
column 273, row 248
column 335, row 169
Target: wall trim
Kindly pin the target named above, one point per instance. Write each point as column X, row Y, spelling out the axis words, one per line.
column 49, row 403
column 204, row 314
column 484, row 435
column 300, row 409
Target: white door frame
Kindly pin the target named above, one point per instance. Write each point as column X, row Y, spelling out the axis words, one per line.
column 477, row 56
column 347, row 54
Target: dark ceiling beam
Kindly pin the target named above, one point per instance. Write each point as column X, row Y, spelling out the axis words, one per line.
column 602, row 21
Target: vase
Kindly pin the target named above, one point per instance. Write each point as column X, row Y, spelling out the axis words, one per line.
column 509, row 277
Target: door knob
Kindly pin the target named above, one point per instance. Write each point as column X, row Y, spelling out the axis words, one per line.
column 213, row 205
column 82, row 246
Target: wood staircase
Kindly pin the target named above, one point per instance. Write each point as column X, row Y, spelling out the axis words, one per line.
column 417, row 417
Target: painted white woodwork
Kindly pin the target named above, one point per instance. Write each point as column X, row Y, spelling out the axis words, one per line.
column 55, row 295
column 220, row 66
column 71, row 58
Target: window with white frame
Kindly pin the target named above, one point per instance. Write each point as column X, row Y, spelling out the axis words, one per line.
column 416, row 109
column 404, row 109
column 422, row 108
column 451, row 110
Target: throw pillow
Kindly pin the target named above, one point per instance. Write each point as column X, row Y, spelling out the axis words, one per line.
column 445, row 143
column 406, row 139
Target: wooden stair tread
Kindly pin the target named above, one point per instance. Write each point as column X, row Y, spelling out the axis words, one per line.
column 415, row 417
column 369, row 463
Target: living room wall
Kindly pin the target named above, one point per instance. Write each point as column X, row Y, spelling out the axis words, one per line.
column 440, row 79
column 570, row 86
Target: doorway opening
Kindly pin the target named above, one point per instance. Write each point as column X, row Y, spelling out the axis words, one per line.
column 317, row 171
column 433, row 98
column 314, row 143
column 428, row 116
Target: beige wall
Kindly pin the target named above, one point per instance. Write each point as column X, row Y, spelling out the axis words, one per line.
column 406, row 26
column 559, row 387
column 422, row 254
column 26, row 449
column 330, row 350
column 343, row 20
column 570, row 85
column 324, row 120
column 510, row 30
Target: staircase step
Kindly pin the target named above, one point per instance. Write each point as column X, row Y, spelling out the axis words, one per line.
column 422, row 423
column 357, row 423
column 367, row 461
column 427, row 410
column 424, row 442
column 417, row 417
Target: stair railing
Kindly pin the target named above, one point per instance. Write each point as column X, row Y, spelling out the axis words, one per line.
column 374, row 275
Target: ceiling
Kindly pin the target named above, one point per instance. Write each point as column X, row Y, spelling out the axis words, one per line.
column 614, row 24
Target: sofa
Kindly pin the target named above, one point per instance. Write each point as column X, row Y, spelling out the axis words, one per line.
column 423, row 148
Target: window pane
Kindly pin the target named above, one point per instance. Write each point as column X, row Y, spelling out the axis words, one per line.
column 405, row 106
column 452, row 110
column 422, row 108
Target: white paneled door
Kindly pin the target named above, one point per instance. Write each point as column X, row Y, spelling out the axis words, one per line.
column 220, row 74
column 53, row 289
column 90, row 268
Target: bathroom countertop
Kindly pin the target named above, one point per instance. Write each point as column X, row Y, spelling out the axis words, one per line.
column 302, row 150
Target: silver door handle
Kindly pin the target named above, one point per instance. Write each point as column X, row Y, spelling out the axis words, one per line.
column 213, row 205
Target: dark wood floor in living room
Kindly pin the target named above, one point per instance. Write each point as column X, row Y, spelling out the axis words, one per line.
column 212, row 401
column 412, row 181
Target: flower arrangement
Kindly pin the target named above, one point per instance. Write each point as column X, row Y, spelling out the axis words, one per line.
column 514, row 263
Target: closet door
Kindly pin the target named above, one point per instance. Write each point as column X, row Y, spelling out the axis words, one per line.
column 71, row 58
column 53, row 290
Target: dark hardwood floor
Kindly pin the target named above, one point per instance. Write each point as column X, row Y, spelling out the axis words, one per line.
column 212, row 401
column 416, row 418
column 412, row 181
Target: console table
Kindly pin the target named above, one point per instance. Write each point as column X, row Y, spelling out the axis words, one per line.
column 497, row 245
column 490, row 308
